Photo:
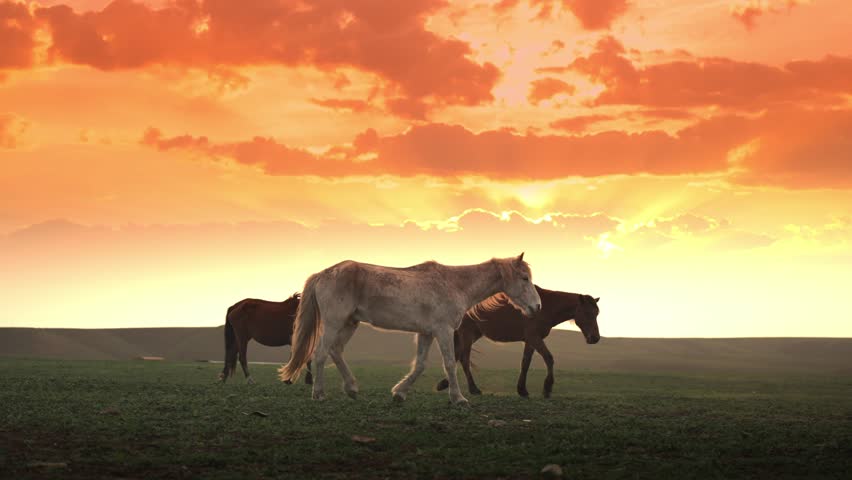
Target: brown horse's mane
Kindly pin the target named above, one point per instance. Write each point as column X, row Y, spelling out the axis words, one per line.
column 490, row 304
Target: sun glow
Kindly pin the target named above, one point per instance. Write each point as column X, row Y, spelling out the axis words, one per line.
column 535, row 196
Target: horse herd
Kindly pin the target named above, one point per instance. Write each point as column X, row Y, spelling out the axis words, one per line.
column 455, row 305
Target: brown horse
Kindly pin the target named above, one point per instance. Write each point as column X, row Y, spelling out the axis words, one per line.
column 496, row 319
column 268, row 323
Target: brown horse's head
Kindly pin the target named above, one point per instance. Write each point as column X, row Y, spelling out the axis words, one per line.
column 586, row 318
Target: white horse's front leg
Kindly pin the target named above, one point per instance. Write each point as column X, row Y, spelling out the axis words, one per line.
column 424, row 343
column 445, row 342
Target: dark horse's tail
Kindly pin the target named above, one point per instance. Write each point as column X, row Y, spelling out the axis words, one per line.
column 230, row 345
column 306, row 332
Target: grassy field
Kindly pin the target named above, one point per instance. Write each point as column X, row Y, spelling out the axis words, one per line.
column 87, row 419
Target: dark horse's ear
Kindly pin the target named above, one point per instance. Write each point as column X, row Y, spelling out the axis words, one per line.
column 598, row 299
column 521, row 257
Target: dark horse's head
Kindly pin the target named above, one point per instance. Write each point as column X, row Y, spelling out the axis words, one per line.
column 586, row 318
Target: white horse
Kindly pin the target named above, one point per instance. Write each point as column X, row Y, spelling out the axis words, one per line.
column 429, row 299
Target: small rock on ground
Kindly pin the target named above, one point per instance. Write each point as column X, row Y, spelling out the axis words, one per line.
column 552, row 469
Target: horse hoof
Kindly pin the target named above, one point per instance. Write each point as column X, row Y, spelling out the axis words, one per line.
column 398, row 397
column 250, row 381
column 309, row 381
column 523, row 393
column 475, row 391
column 442, row 385
column 319, row 396
column 461, row 401
column 353, row 394
column 546, row 394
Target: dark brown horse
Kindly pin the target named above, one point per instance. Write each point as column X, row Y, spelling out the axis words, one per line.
column 496, row 319
column 268, row 323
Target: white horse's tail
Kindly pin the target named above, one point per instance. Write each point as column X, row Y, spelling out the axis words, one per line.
column 306, row 332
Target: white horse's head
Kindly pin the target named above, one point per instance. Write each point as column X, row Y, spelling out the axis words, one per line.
column 517, row 285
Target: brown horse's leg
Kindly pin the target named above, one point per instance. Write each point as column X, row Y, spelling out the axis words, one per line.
column 541, row 348
column 471, row 384
column 467, row 341
column 309, row 378
column 243, row 342
column 525, row 366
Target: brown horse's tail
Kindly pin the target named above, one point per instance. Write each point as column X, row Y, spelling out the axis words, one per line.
column 306, row 331
column 230, row 346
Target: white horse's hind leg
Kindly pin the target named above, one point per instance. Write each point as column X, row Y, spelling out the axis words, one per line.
column 326, row 343
column 445, row 342
column 424, row 343
column 350, row 385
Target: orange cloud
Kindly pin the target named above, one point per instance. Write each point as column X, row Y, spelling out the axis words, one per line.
column 547, row 88
column 771, row 149
column 799, row 149
column 713, row 81
column 352, row 105
column 748, row 11
column 11, row 129
column 597, row 14
column 266, row 153
column 446, row 151
column 665, row 114
column 504, row 6
column 408, row 108
column 556, row 46
column 388, row 41
column 17, row 29
column 592, row 14
column 579, row 123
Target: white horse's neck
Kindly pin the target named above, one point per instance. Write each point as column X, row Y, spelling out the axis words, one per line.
column 477, row 282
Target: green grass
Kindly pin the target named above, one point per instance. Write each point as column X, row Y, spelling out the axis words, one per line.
column 170, row 420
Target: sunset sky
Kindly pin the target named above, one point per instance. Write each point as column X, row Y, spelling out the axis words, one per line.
column 689, row 161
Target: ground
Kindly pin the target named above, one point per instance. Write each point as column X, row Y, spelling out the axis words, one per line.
column 136, row 419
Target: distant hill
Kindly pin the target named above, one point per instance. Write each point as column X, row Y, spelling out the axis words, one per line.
column 803, row 355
